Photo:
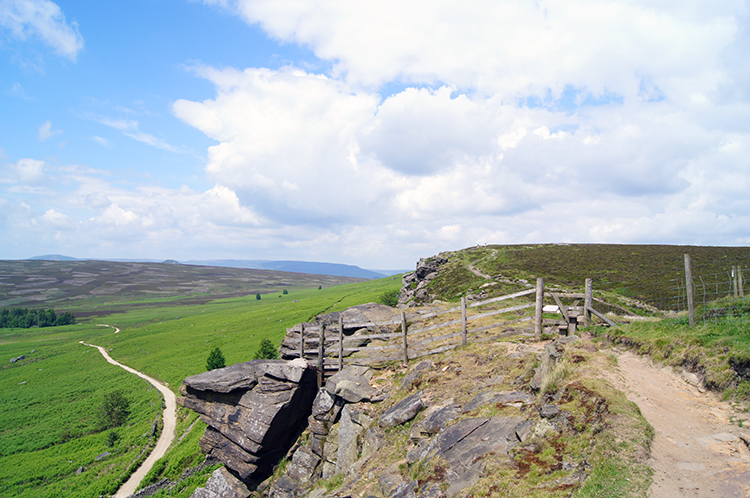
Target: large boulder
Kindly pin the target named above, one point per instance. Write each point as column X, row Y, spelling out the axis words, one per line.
column 254, row 412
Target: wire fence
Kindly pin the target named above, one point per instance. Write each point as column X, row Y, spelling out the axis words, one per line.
column 715, row 295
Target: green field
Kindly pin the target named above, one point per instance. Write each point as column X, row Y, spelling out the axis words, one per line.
column 49, row 401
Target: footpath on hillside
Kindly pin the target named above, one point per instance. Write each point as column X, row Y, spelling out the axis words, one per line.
column 697, row 452
column 167, row 433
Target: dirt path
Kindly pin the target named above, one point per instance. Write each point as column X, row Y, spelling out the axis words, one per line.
column 167, row 433
column 696, row 451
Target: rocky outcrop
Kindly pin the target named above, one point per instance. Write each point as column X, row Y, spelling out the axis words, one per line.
column 414, row 285
column 359, row 323
column 254, row 412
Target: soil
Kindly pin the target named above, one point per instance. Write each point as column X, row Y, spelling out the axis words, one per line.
column 697, row 451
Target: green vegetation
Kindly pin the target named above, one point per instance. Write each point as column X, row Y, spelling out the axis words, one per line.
column 215, row 359
column 113, row 412
column 50, row 401
column 257, row 297
column 645, row 272
column 719, row 351
column 389, row 298
column 266, row 351
column 23, row 318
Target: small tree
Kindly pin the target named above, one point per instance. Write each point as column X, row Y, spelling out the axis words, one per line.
column 389, row 298
column 215, row 360
column 320, row 287
column 257, row 296
column 266, row 351
column 114, row 410
column 285, row 292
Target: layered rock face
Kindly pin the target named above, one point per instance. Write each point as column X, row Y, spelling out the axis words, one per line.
column 414, row 289
column 254, row 412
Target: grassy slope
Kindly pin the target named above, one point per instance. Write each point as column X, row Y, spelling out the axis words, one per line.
column 641, row 271
column 169, row 342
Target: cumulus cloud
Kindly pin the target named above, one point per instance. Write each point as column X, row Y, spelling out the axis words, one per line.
column 30, row 171
column 43, row 19
column 46, row 131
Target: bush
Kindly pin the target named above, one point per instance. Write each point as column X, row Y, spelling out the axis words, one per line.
column 389, row 298
column 257, row 296
column 266, row 351
column 215, row 360
column 112, row 438
column 285, row 292
column 114, row 410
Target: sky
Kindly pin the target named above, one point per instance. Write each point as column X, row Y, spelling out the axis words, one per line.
column 370, row 133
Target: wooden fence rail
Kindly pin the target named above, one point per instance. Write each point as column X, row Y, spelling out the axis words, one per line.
column 310, row 346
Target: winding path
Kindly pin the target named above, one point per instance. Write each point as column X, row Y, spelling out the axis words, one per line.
column 167, row 433
column 696, row 451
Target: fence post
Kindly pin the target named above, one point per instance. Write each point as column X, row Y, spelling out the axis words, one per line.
column 539, row 306
column 588, row 302
column 735, row 283
column 463, row 320
column 689, row 290
column 742, row 287
column 321, row 353
column 302, row 342
column 403, row 334
column 341, row 342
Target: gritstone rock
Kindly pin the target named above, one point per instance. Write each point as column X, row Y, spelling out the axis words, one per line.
column 253, row 410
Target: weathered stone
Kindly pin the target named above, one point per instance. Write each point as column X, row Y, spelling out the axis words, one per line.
column 331, row 448
column 542, row 428
column 416, row 373
column 549, row 411
column 479, row 400
column 322, row 404
column 222, row 484
column 523, row 431
column 469, row 478
column 374, row 440
column 440, row 418
column 405, row 490
column 388, row 483
column 304, row 465
column 254, row 411
column 284, row 487
column 352, row 384
column 349, row 434
column 507, row 398
column 495, row 436
column 401, row 412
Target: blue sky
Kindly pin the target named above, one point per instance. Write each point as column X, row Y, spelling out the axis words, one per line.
column 369, row 133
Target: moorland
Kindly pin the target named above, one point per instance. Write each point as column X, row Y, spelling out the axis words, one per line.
column 170, row 317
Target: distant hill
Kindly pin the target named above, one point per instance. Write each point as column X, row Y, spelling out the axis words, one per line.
column 62, row 284
column 310, row 267
column 53, row 257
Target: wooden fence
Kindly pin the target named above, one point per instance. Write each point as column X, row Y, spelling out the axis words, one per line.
column 414, row 332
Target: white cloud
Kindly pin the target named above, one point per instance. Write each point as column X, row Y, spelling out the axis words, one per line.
column 43, row 19
column 46, row 131
column 30, row 171
column 101, row 141
column 58, row 221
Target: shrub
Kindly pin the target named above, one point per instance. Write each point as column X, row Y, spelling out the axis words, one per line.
column 114, row 410
column 257, row 296
column 266, row 351
column 215, row 360
column 389, row 298
column 285, row 292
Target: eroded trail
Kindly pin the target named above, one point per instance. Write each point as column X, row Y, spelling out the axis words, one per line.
column 167, row 433
column 696, row 451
